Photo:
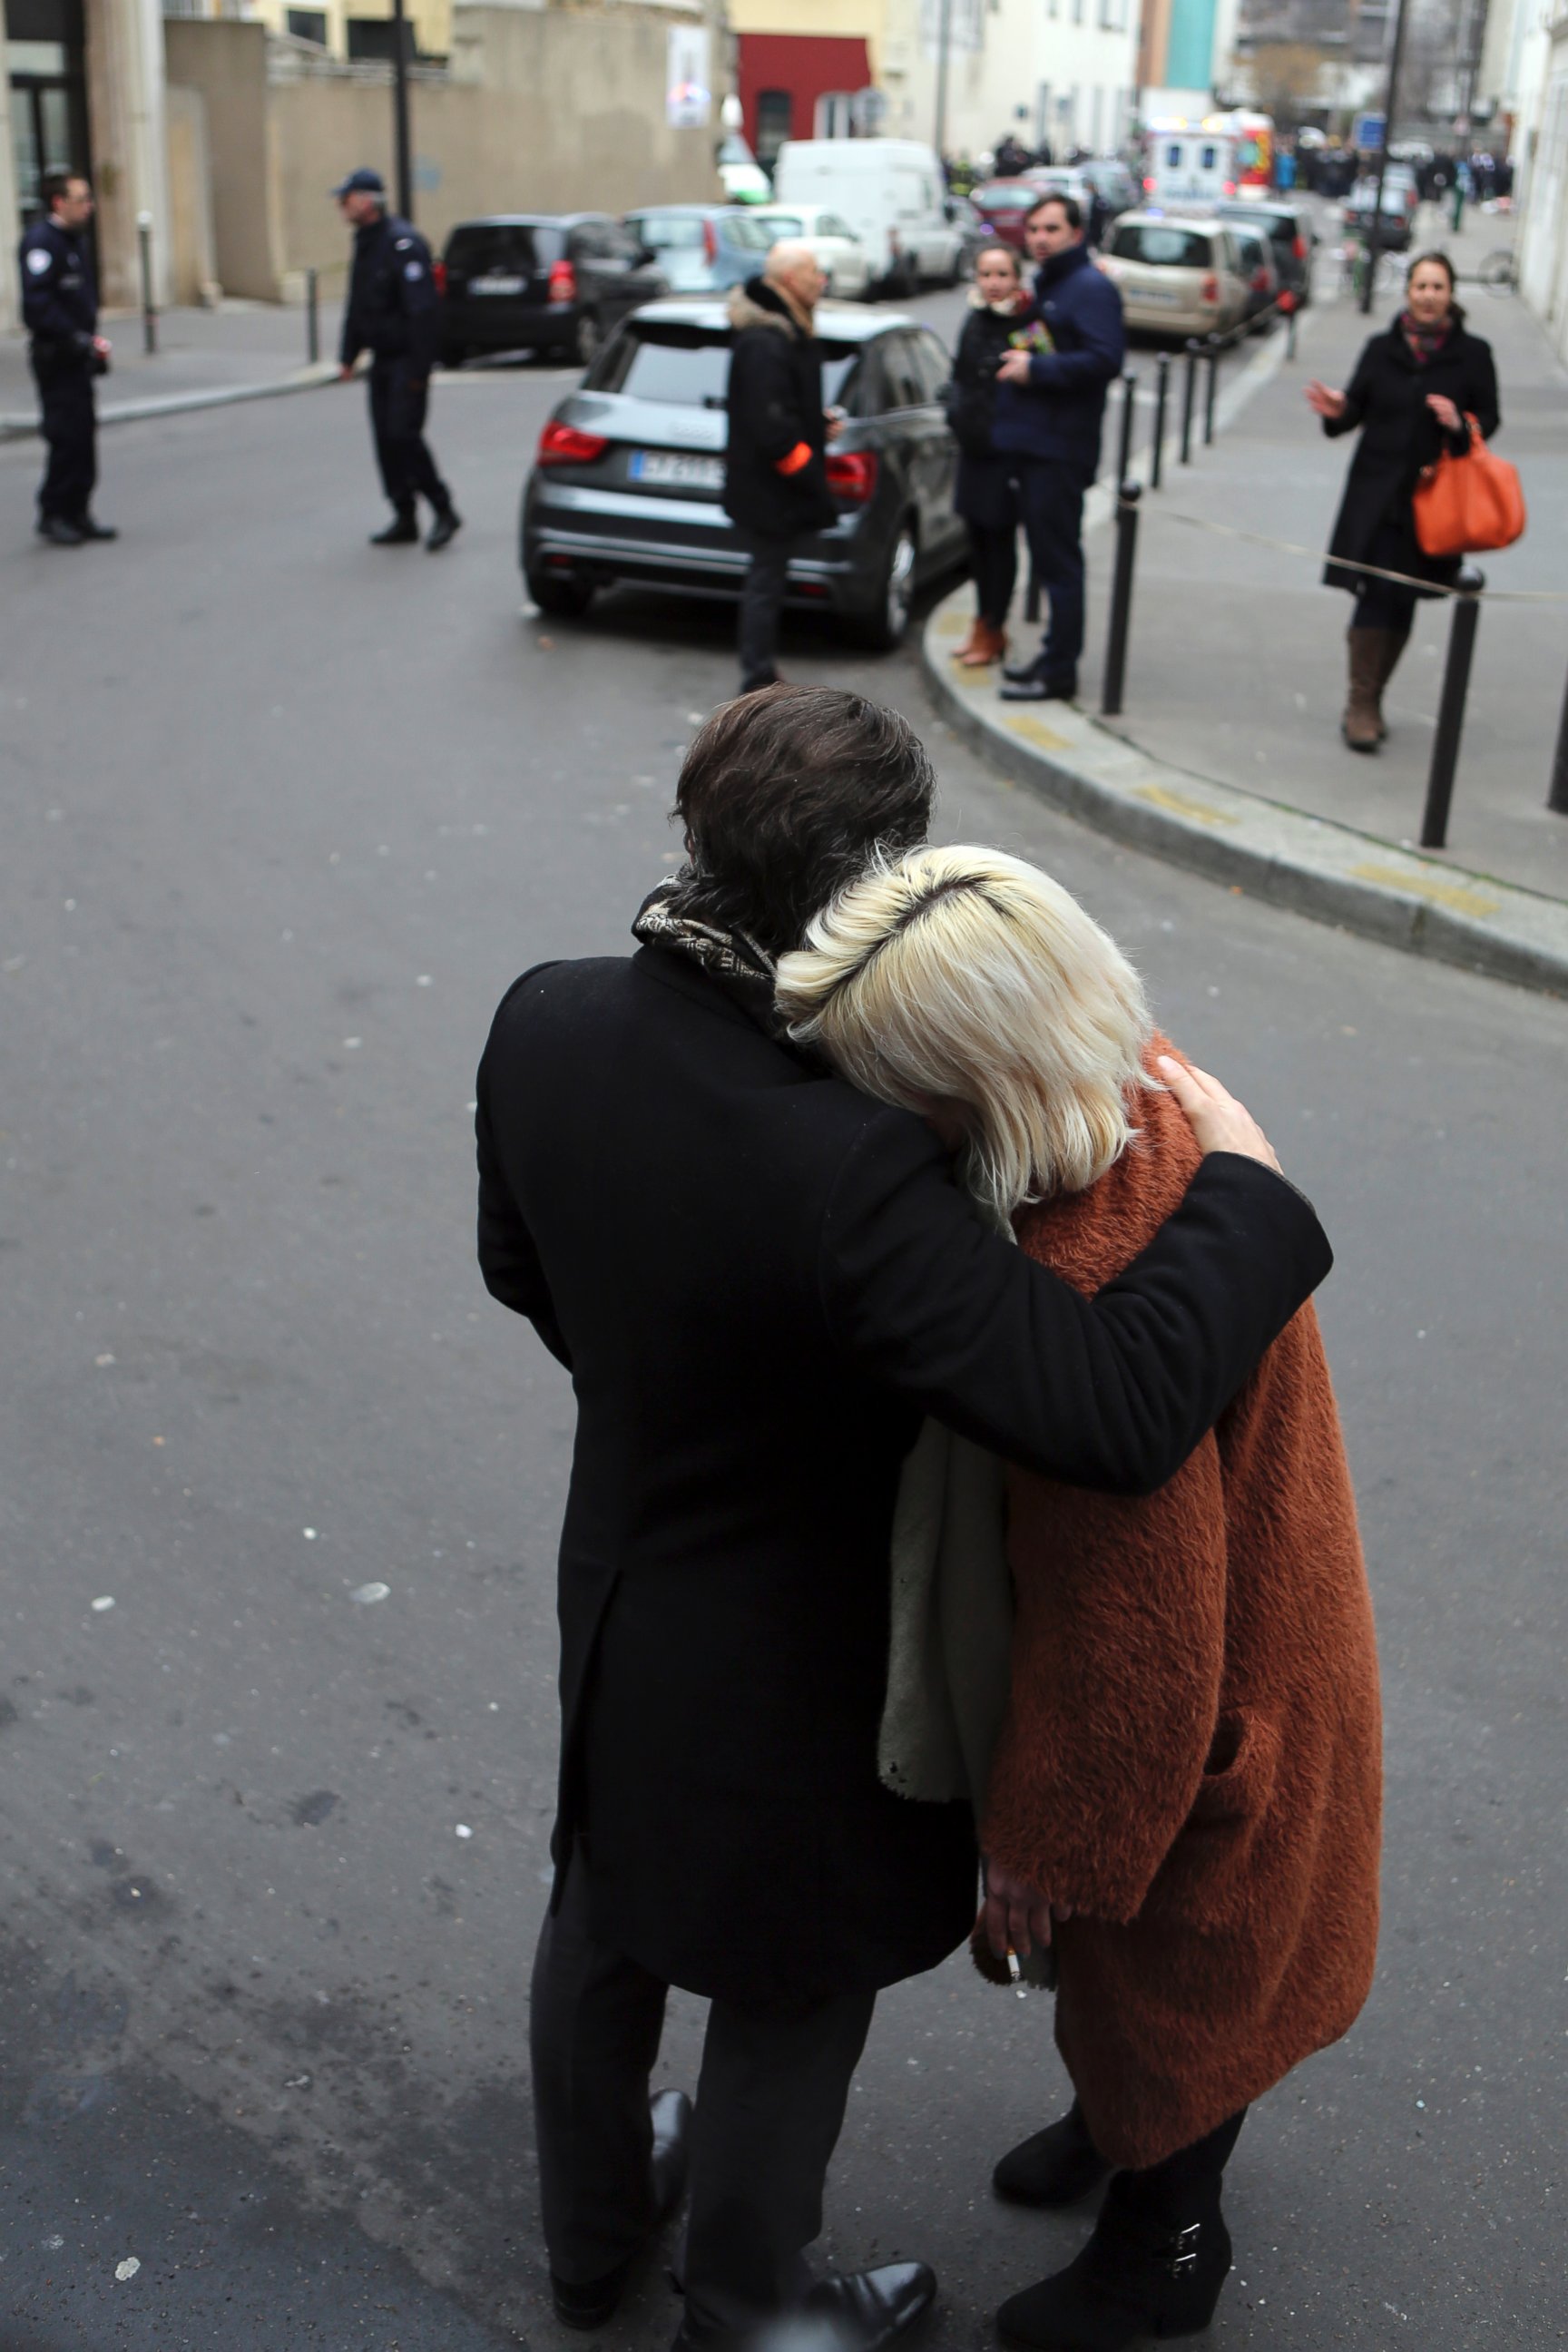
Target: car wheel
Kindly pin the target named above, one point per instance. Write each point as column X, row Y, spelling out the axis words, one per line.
column 562, row 594
column 454, row 354
column 587, row 338
column 885, row 625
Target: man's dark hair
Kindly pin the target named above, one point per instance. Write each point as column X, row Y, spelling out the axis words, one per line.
column 784, row 795
column 56, row 184
column 1070, row 205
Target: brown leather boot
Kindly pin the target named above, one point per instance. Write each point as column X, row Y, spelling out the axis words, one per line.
column 1362, row 725
column 1393, row 644
column 988, row 646
column 962, row 651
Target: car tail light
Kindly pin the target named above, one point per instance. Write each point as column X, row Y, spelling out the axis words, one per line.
column 564, row 445
column 1260, row 280
column 709, row 240
column 852, row 475
column 1230, row 187
column 562, row 282
column 1209, row 290
column 1298, row 248
column 1149, row 187
column 439, row 272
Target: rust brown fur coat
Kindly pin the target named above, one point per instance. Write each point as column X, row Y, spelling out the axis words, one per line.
column 1191, row 1753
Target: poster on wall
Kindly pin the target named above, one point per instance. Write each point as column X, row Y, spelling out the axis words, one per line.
column 688, row 97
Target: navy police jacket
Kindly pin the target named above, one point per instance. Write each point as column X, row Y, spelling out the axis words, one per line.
column 1057, row 413
column 393, row 307
column 60, row 292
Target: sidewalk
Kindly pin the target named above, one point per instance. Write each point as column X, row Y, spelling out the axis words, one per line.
column 241, row 351
column 1236, row 671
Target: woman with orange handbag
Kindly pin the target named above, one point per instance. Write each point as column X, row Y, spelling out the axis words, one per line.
column 1414, row 386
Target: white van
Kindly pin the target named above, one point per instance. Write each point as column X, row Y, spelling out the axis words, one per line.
column 892, row 192
column 1189, row 166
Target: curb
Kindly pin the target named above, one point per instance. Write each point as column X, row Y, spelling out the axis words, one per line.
column 181, row 403
column 1310, row 865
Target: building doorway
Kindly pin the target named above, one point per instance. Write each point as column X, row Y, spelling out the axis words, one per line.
column 45, row 41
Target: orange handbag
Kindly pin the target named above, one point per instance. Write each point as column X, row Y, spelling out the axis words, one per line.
column 1465, row 505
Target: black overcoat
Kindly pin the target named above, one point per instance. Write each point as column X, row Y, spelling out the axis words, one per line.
column 1386, row 400
column 761, row 1281
column 775, row 406
column 982, row 488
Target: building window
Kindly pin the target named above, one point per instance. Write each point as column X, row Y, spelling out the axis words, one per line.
column 308, row 25
column 835, row 116
column 375, row 38
column 775, row 113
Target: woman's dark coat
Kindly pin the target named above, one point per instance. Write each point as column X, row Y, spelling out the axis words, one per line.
column 775, row 406
column 761, row 1281
column 1387, row 398
column 983, row 492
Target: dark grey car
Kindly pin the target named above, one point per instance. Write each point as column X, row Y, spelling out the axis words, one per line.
column 558, row 283
column 629, row 477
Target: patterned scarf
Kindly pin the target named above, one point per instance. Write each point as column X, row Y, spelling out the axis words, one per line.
column 1424, row 343
column 665, row 920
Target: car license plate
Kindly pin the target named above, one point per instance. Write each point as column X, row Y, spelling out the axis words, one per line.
column 1153, row 294
column 495, row 284
column 673, row 466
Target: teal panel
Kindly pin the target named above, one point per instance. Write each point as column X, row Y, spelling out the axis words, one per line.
column 1189, row 58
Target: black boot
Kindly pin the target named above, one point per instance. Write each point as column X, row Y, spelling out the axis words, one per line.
column 403, row 531
column 595, row 2303
column 1056, row 2167
column 444, row 529
column 90, row 530
column 58, row 531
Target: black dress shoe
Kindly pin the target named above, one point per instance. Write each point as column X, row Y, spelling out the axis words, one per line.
column 1131, row 2280
column 1056, row 2167
column 597, row 2303
column 1015, row 671
column 90, row 530
column 58, row 532
column 1036, row 687
column 403, row 531
column 870, row 2308
column 444, row 529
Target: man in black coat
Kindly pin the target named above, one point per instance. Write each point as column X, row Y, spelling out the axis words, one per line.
column 59, row 310
column 775, row 479
column 761, row 1281
column 392, row 312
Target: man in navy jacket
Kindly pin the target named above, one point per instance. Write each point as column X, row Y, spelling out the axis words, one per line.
column 59, row 310
column 1049, row 407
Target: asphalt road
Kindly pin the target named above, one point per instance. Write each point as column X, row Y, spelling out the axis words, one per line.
column 282, row 816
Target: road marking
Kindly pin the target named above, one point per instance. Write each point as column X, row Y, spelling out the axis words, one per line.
column 1455, row 896
column 1035, row 730
column 1182, row 804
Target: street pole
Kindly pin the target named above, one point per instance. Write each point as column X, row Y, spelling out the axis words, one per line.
column 1375, row 242
column 943, row 41
column 401, row 171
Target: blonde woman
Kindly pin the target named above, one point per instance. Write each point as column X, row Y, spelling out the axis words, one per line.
column 1183, row 1792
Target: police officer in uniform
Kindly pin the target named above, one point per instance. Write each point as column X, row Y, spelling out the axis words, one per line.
column 392, row 313
column 59, row 310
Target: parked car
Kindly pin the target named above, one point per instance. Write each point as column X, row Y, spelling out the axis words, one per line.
column 1290, row 233
column 1257, row 258
column 1178, row 275
column 740, row 175
column 890, row 191
column 629, row 473
column 1400, row 199
column 703, row 249
column 970, row 229
column 840, row 255
column 551, row 282
column 1005, row 206
column 1113, row 183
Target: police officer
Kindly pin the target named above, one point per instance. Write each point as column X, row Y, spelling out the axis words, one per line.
column 59, row 310
column 392, row 313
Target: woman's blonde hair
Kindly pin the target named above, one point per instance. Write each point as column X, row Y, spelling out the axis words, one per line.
column 966, row 977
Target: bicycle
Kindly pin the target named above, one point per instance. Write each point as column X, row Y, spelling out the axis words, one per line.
column 1498, row 273
column 1354, row 262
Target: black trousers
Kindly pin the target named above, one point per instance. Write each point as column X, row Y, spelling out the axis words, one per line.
column 994, row 560
column 761, row 601
column 71, row 432
column 1050, row 500
column 770, row 2106
column 398, row 401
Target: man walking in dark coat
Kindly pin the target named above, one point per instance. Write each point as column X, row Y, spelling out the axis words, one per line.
column 392, row 312
column 775, row 480
column 1049, row 405
column 760, row 1281
column 59, row 310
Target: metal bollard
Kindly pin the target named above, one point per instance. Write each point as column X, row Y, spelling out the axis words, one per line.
column 1557, row 791
column 1129, row 394
column 1451, row 707
column 149, row 315
column 1210, row 390
column 1120, row 600
column 313, row 317
column 1189, row 393
column 1161, row 388
column 1290, row 332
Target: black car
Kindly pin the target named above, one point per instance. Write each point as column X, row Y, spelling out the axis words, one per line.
column 1291, row 238
column 553, row 282
column 629, row 474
